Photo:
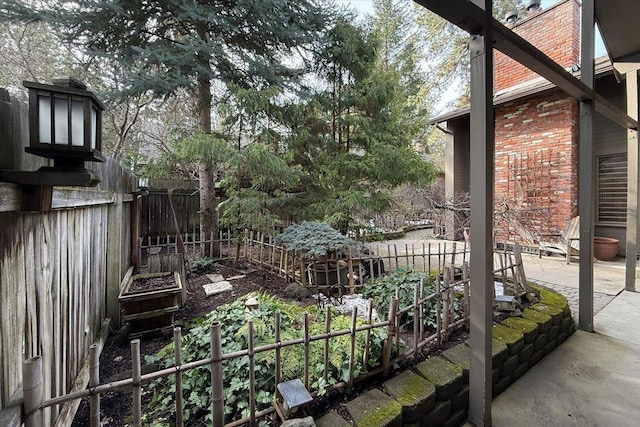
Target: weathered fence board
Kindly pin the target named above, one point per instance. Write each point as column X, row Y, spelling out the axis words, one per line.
column 157, row 219
column 53, row 285
column 53, row 265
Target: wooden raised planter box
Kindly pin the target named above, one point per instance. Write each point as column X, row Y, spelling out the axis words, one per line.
column 149, row 306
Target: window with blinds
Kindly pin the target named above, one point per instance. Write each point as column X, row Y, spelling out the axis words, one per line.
column 612, row 188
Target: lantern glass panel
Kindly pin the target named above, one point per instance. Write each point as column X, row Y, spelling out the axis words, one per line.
column 77, row 123
column 94, row 122
column 61, row 120
column 44, row 119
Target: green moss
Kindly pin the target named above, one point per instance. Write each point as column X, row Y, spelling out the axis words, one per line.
column 459, row 355
column 412, row 390
column 374, row 408
column 556, row 313
column 439, row 371
column 547, row 296
column 543, row 320
column 509, row 336
column 382, row 416
column 523, row 325
column 499, row 351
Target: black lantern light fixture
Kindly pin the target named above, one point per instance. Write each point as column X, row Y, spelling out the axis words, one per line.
column 65, row 122
column 65, row 125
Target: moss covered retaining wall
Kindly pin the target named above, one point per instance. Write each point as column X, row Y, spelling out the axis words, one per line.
column 436, row 391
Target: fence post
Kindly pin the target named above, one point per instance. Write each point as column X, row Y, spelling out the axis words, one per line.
column 352, row 284
column 135, row 230
column 367, row 337
column 445, row 302
column 177, row 353
column 327, row 330
column 417, row 318
column 115, row 230
column 391, row 332
column 438, row 287
column 94, row 380
column 252, row 375
column 352, row 350
column 306, row 350
column 217, row 390
column 277, row 340
column 32, row 391
column 136, row 390
column 303, row 271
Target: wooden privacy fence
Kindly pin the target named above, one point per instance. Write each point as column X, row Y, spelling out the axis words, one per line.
column 156, row 215
column 59, row 272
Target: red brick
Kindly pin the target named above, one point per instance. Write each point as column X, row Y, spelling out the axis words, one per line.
column 555, row 31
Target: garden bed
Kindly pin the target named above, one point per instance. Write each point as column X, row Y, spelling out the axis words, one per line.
column 150, row 301
column 116, row 360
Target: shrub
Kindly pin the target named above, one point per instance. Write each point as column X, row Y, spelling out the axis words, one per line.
column 202, row 265
column 382, row 289
column 196, row 345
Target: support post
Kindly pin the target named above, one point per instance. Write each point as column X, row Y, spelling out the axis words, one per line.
column 450, row 182
column 136, row 388
column 632, row 184
column 135, row 230
column 481, row 172
column 586, row 172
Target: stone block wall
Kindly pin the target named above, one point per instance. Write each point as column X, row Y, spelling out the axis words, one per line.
column 436, row 392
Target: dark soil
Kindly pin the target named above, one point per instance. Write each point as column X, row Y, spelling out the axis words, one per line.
column 144, row 284
column 115, row 359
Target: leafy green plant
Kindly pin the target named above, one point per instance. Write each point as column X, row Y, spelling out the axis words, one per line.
column 384, row 288
column 233, row 317
column 202, row 265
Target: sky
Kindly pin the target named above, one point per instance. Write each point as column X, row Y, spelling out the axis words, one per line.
column 364, row 6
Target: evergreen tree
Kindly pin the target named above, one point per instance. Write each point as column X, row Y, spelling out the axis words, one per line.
column 447, row 51
column 166, row 46
column 393, row 24
column 351, row 137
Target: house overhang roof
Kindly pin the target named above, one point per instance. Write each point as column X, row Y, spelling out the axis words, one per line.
column 618, row 22
column 530, row 88
column 470, row 17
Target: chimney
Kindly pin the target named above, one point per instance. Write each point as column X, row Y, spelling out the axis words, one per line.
column 511, row 17
column 554, row 30
column 533, row 6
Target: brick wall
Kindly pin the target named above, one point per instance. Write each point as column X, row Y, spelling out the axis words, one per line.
column 555, row 31
column 536, row 176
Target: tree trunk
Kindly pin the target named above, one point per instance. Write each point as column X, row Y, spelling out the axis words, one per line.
column 208, row 211
column 207, row 176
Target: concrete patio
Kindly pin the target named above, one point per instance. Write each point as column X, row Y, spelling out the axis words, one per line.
column 593, row 379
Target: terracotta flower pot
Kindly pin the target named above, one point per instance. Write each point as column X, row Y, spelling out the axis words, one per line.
column 605, row 248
